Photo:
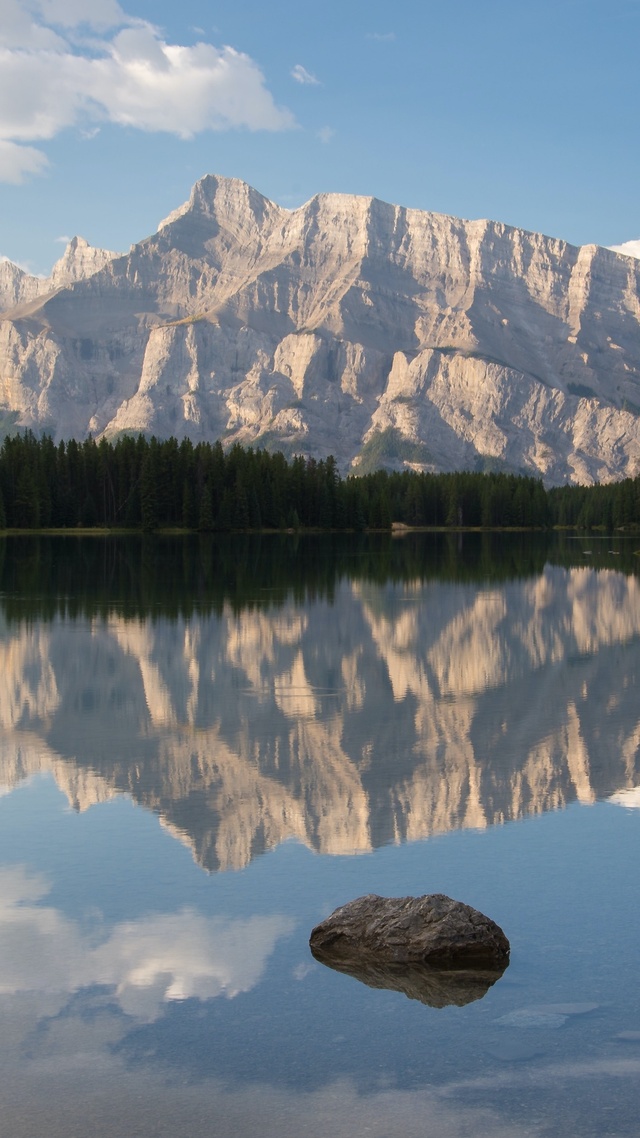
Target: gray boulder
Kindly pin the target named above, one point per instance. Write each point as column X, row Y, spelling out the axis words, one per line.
column 432, row 930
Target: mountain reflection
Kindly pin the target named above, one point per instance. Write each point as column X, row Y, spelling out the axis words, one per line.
column 353, row 716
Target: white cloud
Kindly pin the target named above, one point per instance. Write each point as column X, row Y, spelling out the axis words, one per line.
column 629, row 248
column 62, row 240
column 19, row 29
column 381, row 37
column 51, row 78
column 301, row 75
column 17, row 163
column 72, row 13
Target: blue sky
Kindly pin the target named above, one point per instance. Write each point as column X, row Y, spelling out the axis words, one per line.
column 524, row 113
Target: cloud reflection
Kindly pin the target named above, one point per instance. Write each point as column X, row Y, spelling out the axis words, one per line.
column 147, row 962
column 140, row 1102
column 629, row 798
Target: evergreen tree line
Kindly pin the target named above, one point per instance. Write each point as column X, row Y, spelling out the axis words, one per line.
column 148, row 484
column 611, row 506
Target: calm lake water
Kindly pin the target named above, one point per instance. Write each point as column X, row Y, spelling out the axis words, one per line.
column 207, row 746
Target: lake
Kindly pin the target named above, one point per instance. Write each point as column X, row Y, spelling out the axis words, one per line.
column 206, row 746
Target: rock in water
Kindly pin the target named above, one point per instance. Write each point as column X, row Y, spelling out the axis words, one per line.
column 432, row 930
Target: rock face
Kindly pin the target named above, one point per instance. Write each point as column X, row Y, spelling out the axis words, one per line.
column 348, row 326
column 16, row 285
column 78, row 262
column 432, row 930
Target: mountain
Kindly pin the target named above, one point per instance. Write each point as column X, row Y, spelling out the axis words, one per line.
column 376, row 333
column 79, row 261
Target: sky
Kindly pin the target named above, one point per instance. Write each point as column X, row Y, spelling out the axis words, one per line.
column 526, row 113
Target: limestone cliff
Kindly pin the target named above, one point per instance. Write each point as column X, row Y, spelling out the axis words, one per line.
column 79, row 261
column 16, row 285
column 348, row 321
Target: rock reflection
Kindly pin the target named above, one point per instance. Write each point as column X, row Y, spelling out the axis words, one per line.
column 437, row 987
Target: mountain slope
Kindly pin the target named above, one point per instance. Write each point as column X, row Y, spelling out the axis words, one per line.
column 345, row 322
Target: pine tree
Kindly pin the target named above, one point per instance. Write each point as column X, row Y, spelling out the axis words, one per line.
column 205, row 513
column 148, row 495
column 27, row 506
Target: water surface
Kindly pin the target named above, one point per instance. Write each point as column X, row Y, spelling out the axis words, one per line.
column 206, row 747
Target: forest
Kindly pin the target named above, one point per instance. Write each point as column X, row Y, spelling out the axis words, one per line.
column 151, row 484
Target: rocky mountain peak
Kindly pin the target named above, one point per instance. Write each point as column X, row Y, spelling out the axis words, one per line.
column 16, row 285
column 222, row 199
column 79, row 261
column 349, row 326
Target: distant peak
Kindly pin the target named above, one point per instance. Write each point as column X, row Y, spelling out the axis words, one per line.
column 215, row 194
column 79, row 261
column 215, row 190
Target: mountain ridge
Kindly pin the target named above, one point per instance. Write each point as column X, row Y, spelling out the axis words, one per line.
column 320, row 329
column 78, row 262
